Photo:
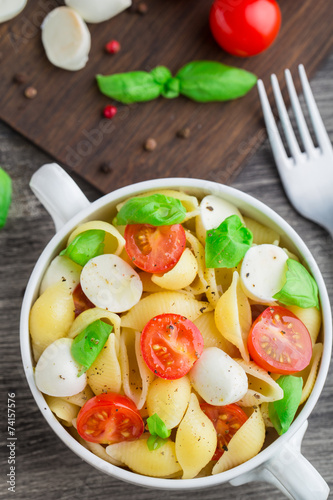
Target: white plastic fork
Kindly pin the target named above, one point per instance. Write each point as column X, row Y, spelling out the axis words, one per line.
column 307, row 177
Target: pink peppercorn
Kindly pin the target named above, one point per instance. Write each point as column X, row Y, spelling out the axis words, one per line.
column 109, row 111
column 112, row 47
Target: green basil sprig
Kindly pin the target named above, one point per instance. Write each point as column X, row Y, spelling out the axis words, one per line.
column 227, row 244
column 201, row 81
column 156, row 209
column 88, row 344
column 5, row 196
column 282, row 412
column 159, row 432
column 85, row 246
column 300, row 288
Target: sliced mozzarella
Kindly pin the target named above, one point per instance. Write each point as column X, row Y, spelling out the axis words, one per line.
column 217, row 378
column 213, row 211
column 56, row 373
column 96, row 11
column 61, row 268
column 10, row 9
column 110, row 283
column 263, row 272
column 66, row 39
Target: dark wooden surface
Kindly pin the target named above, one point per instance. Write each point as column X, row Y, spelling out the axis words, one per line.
column 45, row 468
column 65, row 117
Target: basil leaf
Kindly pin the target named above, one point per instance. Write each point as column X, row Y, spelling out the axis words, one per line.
column 5, row 196
column 282, row 412
column 88, row 344
column 206, row 81
column 300, row 288
column 155, row 442
column 157, row 427
column 157, row 210
column 227, row 244
column 85, row 246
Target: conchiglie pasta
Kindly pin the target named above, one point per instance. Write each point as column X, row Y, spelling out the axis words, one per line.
column 136, row 455
column 160, row 303
column 113, row 241
column 81, row 398
column 169, row 399
column 104, row 375
column 196, row 440
column 212, row 336
column 200, row 284
column 136, row 376
column 244, row 445
column 311, row 317
column 51, row 317
column 233, row 316
column 181, row 275
column 64, row 410
column 261, row 234
column 147, row 284
column 262, row 388
column 309, row 374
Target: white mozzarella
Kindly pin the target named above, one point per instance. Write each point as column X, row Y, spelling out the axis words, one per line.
column 66, row 39
column 213, row 211
column 56, row 373
column 110, row 283
column 61, row 268
column 96, row 11
column 10, row 9
column 263, row 272
column 217, row 378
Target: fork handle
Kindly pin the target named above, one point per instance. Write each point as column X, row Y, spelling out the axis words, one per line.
column 290, row 472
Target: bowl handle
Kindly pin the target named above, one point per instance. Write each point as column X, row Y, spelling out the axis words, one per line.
column 290, row 472
column 59, row 194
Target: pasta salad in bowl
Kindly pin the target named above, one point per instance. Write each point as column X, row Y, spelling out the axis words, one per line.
column 179, row 332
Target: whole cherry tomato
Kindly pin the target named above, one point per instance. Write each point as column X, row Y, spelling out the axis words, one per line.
column 245, row 27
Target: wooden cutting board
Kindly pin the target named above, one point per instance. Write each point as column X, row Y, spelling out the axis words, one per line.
column 65, row 119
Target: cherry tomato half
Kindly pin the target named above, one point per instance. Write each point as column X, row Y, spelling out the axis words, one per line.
column 279, row 342
column 81, row 301
column 109, row 418
column 227, row 421
column 155, row 249
column 245, row 28
column 170, row 345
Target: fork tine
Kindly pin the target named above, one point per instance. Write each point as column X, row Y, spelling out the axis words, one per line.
column 287, row 127
column 318, row 125
column 301, row 123
column 279, row 152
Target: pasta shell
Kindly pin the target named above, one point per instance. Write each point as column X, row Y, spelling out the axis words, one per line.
column 262, row 388
column 212, row 336
column 51, row 317
column 136, row 455
column 309, row 374
column 181, row 275
column 261, row 234
column 113, row 241
column 233, row 316
column 311, row 318
column 160, row 303
column 196, row 440
column 104, row 375
column 64, row 410
column 136, row 376
column 147, row 284
column 200, row 285
column 81, row 398
column 169, row 399
column 245, row 444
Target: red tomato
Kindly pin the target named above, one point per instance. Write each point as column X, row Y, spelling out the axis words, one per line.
column 155, row 249
column 170, row 345
column 109, row 418
column 227, row 420
column 81, row 301
column 279, row 342
column 246, row 27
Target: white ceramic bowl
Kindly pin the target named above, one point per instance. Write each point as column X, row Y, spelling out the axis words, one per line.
column 281, row 463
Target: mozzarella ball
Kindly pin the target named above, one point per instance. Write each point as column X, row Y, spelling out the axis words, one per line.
column 217, row 378
column 61, row 269
column 10, row 9
column 110, row 283
column 96, row 11
column 56, row 372
column 263, row 272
